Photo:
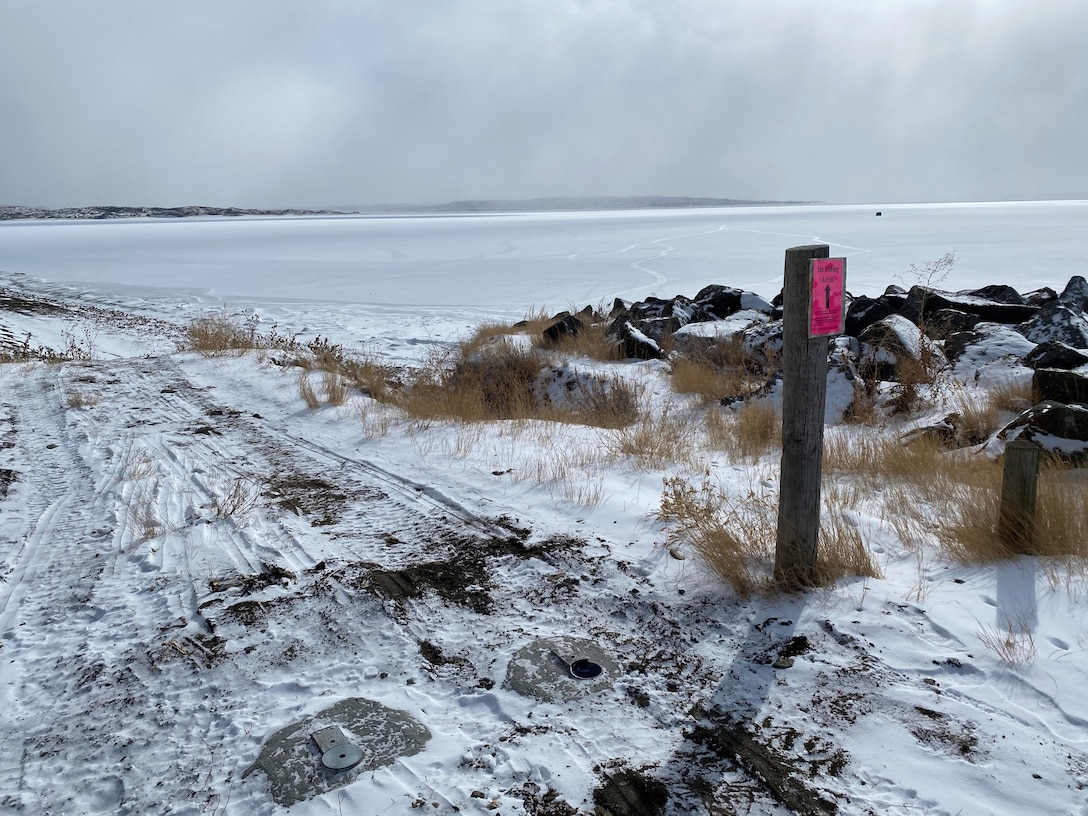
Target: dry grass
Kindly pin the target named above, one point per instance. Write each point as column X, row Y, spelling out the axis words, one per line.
column 590, row 342
column 948, row 502
column 1010, row 397
column 751, row 431
column 374, row 419
column 216, row 334
column 609, row 403
column 334, row 388
column 1060, row 526
column 840, row 552
column 82, row 399
column 1015, row 649
column 497, row 381
column 656, row 440
column 236, row 498
column 307, row 392
column 735, row 541
column 736, row 538
column 699, row 376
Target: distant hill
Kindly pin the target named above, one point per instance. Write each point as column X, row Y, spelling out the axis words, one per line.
column 101, row 212
column 563, row 204
column 554, row 204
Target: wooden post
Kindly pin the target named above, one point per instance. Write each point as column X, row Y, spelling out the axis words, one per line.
column 1019, row 483
column 804, row 392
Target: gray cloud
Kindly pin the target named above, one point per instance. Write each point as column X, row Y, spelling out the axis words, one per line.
column 276, row 103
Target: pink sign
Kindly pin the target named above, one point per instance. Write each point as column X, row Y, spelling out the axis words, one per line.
column 828, row 287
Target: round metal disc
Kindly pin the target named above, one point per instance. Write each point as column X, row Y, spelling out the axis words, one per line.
column 342, row 757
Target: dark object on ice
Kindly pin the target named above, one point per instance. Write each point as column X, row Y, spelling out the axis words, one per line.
column 879, row 213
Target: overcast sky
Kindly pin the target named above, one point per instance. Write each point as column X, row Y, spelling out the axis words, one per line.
column 270, row 103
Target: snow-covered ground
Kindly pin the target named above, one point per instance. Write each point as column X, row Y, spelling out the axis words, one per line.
column 191, row 560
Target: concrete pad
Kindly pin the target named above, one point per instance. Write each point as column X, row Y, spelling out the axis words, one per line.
column 534, row 670
column 292, row 759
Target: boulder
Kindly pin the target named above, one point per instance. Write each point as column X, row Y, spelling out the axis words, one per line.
column 634, row 343
column 922, row 302
column 1059, row 385
column 720, row 301
column 762, row 344
column 890, row 343
column 1057, row 320
column 1055, row 354
column 984, row 344
column 865, row 311
column 946, row 322
column 698, row 336
column 1054, row 426
column 723, row 301
column 568, row 326
column 996, row 292
column 1038, row 297
column 1075, row 294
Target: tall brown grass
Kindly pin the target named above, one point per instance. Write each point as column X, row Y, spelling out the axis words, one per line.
column 216, row 334
column 697, row 375
column 736, row 537
column 749, row 431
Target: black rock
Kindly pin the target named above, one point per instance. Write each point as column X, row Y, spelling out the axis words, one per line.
column 1075, row 294
column 568, row 326
column 634, row 343
column 1038, row 297
column 998, row 293
column 1055, row 354
column 865, row 311
column 720, row 301
column 958, row 343
column 1053, row 419
column 922, row 302
column 946, row 322
column 1059, row 385
column 1057, row 320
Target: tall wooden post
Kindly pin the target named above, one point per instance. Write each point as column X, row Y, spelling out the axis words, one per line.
column 804, row 392
column 1019, row 483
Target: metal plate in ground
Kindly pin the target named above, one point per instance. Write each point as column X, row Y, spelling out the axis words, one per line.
column 535, row 672
column 292, row 760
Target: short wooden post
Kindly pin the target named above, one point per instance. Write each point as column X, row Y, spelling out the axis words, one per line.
column 1019, row 485
column 804, row 392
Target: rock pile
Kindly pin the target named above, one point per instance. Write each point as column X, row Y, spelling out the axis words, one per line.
column 903, row 337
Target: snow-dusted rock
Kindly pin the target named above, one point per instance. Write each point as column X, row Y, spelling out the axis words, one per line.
column 722, row 301
column 886, row 344
column 1059, row 385
column 1075, row 294
column 763, row 342
column 634, row 342
column 922, row 302
column 984, row 344
column 568, row 326
column 1055, row 354
column 1057, row 320
column 1052, row 425
column 865, row 311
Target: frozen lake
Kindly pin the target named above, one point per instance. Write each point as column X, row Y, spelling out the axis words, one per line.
column 516, row 261
column 343, row 275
